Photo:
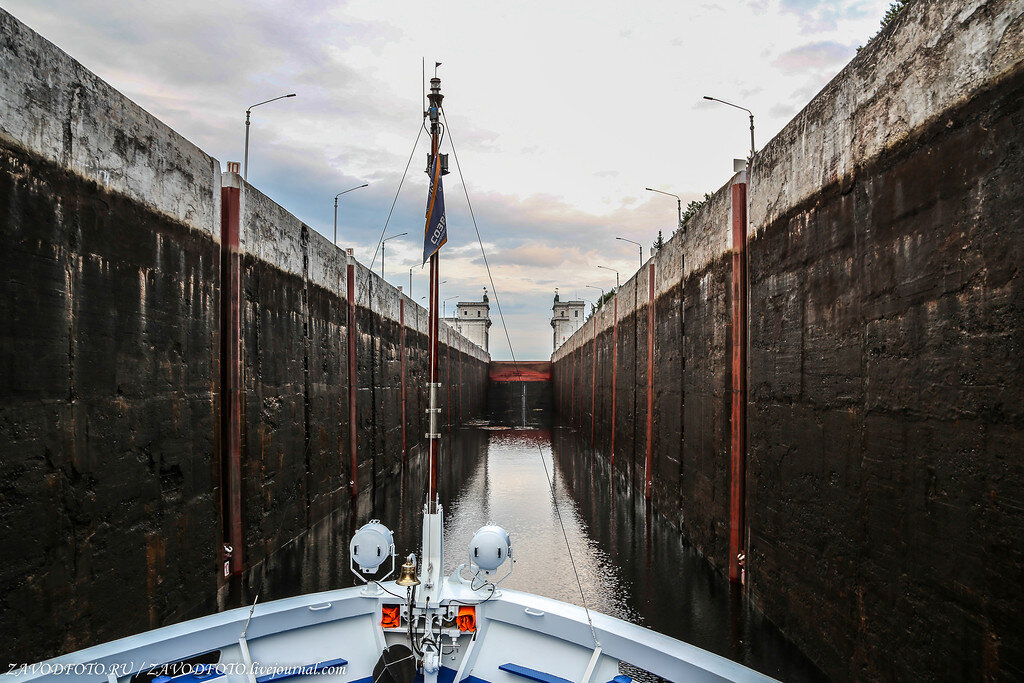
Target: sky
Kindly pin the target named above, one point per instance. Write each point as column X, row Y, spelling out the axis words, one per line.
column 561, row 113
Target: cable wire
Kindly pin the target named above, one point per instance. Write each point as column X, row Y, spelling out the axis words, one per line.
column 395, row 200
column 515, row 363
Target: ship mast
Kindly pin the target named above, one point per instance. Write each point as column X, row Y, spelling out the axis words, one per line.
column 433, row 113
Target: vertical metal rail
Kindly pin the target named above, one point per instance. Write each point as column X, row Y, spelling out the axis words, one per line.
column 593, row 384
column 579, row 363
column 738, row 416
column 615, row 368
column 353, row 441
column 650, row 380
column 231, row 392
column 401, row 322
column 572, row 385
column 448, row 377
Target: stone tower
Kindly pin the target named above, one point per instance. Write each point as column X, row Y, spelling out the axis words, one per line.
column 472, row 320
column 566, row 318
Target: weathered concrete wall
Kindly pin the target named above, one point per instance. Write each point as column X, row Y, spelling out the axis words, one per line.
column 887, row 337
column 690, row 393
column 295, row 450
column 109, row 281
column 884, row 414
column 112, row 513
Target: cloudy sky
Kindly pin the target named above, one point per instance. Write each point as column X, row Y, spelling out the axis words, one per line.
column 561, row 113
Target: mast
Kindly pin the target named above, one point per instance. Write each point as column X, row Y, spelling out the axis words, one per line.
column 433, row 113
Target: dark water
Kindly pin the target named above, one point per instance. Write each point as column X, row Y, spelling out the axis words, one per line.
column 632, row 564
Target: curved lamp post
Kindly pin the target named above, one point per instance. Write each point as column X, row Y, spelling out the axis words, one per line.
column 336, row 209
column 736, row 106
column 638, row 246
column 245, row 168
column 444, row 304
column 382, row 243
column 616, row 276
column 679, row 203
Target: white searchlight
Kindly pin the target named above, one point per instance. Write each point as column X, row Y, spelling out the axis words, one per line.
column 369, row 548
column 490, row 547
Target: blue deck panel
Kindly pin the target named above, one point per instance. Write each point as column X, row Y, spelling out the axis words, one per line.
column 532, row 674
column 445, row 675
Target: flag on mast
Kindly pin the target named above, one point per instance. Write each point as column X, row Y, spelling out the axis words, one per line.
column 435, row 234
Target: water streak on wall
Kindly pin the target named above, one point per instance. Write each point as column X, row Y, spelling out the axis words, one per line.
column 113, row 496
column 885, row 415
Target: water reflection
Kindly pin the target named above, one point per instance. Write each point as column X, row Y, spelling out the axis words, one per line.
column 632, row 563
column 667, row 586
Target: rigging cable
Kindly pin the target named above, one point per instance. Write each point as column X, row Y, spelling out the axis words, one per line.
column 515, row 362
column 395, row 200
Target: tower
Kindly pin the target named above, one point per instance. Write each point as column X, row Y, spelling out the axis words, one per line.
column 566, row 318
column 472, row 320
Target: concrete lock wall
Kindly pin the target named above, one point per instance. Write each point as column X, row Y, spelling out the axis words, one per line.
column 152, row 335
column 873, row 467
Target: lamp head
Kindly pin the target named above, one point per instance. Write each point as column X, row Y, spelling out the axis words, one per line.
column 371, row 546
column 490, row 547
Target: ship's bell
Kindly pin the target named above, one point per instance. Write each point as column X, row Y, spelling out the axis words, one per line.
column 408, row 575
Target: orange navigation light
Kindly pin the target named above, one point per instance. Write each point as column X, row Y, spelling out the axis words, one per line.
column 466, row 619
column 390, row 616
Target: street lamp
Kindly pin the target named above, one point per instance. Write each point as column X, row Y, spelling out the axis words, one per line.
column 382, row 243
column 736, row 106
column 336, row 209
column 616, row 276
column 638, row 246
column 444, row 304
column 245, row 169
column 600, row 289
column 679, row 203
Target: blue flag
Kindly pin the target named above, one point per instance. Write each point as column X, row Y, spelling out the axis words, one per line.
column 436, row 232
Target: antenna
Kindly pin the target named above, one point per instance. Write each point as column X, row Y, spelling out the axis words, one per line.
column 423, row 84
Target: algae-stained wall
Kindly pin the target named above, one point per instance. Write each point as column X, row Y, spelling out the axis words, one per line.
column 885, row 381
column 109, row 324
column 111, row 359
column 886, row 393
column 295, row 448
column 691, row 380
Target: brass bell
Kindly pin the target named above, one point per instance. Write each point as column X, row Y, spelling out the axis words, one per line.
column 408, row 575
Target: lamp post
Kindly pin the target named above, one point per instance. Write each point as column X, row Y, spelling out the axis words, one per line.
column 444, row 304
column 382, row 243
column 245, row 168
column 336, row 209
column 410, row 282
column 736, row 106
column 638, row 246
column 616, row 276
column 599, row 297
column 679, row 203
